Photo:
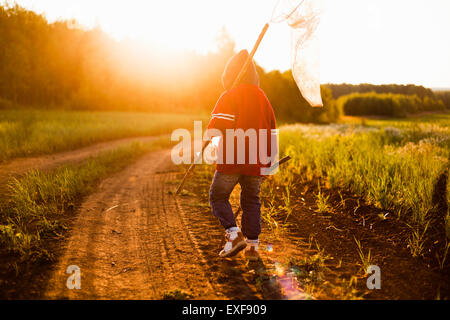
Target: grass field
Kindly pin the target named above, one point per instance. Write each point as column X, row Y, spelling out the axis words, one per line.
column 26, row 132
column 379, row 172
column 35, row 209
column 392, row 165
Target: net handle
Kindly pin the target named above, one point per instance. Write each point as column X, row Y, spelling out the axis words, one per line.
column 235, row 83
column 250, row 57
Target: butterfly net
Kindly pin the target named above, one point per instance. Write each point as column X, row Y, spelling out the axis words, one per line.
column 303, row 18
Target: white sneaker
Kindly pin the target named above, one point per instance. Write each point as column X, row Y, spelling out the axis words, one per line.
column 251, row 252
column 235, row 242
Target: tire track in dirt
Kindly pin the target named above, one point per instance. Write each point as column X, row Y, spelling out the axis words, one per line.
column 19, row 166
column 137, row 250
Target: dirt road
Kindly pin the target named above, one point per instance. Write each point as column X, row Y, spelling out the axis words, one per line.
column 19, row 166
column 133, row 240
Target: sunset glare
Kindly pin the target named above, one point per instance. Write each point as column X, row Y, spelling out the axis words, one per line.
column 376, row 41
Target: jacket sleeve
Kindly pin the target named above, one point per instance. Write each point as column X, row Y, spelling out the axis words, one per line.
column 223, row 116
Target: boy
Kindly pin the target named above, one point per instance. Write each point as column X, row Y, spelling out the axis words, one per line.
column 243, row 107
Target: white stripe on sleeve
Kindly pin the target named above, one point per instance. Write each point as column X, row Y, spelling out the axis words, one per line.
column 224, row 115
column 224, row 118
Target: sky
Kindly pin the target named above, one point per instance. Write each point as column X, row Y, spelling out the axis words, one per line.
column 369, row 41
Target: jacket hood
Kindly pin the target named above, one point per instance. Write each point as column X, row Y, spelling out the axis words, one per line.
column 233, row 68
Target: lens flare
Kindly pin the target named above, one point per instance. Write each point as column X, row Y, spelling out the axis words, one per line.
column 279, row 269
column 287, row 280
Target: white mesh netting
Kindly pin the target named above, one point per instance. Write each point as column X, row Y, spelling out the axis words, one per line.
column 303, row 17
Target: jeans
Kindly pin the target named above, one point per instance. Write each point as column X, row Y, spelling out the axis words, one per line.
column 219, row 195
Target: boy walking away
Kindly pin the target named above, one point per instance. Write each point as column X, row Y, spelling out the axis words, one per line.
column 244, row 107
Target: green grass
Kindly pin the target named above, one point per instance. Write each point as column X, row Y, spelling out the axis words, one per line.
column 442, row 119
column 322, row 202
column 416, row 242
column 366, row 259
column 25, row 132
column 393, row 165
column 38, row 200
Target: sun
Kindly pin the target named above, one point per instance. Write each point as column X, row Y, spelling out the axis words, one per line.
column 162, row 24
column 178, row 25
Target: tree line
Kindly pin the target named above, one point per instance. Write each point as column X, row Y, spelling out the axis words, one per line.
column 343, row 89
column 444, row 96
column 62, row 65
column 387, row 104
column 391, row 100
